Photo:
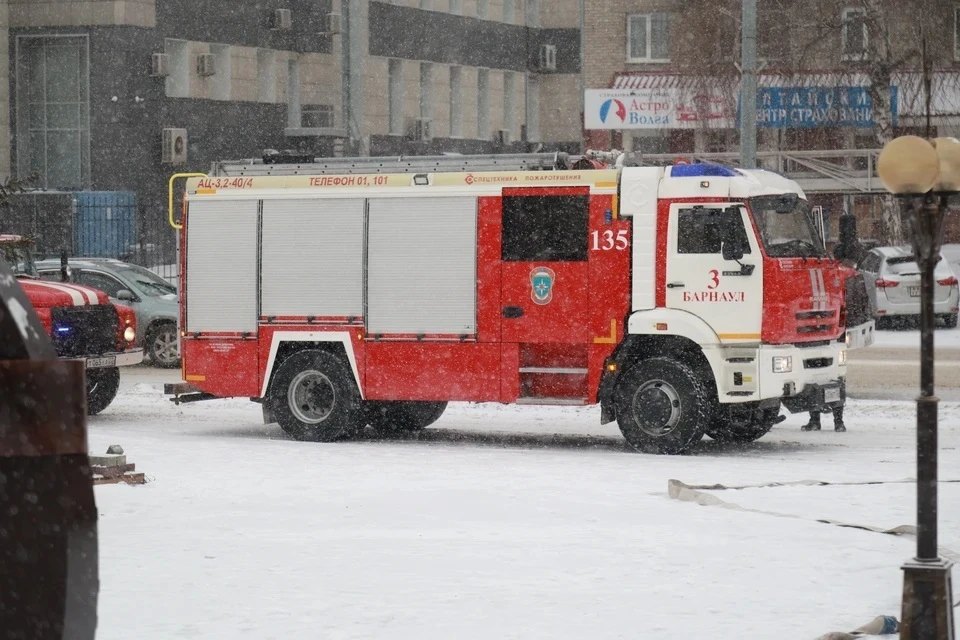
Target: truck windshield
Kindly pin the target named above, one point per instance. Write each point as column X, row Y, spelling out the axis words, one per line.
column 786, row 231
column 18, row 256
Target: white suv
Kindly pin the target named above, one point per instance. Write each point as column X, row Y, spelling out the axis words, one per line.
column 893, row 284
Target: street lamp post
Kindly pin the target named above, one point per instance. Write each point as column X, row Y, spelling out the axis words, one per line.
column 925, row 174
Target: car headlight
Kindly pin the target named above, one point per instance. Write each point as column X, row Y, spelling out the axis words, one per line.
column 129, row 334
column 782, row 364
column 842, row 360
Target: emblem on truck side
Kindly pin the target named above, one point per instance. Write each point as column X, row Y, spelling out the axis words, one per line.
column 541, row 285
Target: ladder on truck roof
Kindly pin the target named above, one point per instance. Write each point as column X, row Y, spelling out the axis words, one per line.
column 278, row 164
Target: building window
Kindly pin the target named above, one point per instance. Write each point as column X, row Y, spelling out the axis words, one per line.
column 426, row 85
column 533, row 108
column 221, row 85
column 648, row 38
column 855, row 34
column 509, row 11
column 317, row 116
column 956, row 33
column 483, row 9
column 294, row 112
column 533, row 13
column 483, row 103
column 509, row 102
column 53, row 110
column 395, row 98
column 178, row 80
column 266, row 76
column 456, row 102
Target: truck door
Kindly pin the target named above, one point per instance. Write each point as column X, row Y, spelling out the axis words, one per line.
column 544, row 268
column 726, row 294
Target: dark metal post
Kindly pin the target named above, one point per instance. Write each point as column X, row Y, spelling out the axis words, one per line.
column 48, row 519
column 927, row 590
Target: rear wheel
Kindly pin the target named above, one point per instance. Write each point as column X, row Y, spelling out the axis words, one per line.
column 662, row 406
column 398, row 417
column 313, row 396
column 102, row 387
column 950, row 320
column 162, row 346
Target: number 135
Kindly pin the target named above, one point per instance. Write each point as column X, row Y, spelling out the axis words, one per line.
column 606, row 241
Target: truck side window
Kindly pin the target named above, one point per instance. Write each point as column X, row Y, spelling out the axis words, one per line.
column 699, row 232
column 545, row 228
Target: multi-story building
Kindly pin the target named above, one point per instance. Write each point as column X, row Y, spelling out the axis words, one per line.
column 108, row 99
column 662, row 78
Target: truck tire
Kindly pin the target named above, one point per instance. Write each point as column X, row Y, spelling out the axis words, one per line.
column 400, row 417
column 742, row 432
column 161, row 346
column 313, row 396
column 663, row 406
column 102, row 387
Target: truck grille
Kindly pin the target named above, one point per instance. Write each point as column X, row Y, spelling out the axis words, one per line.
column 84, row 331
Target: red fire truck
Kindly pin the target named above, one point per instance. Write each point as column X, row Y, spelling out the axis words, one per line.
column 81, row 322
column 686, row 300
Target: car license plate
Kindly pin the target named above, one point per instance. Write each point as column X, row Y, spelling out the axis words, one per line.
column 914, row 292
column 100, row 363
column 831, row 394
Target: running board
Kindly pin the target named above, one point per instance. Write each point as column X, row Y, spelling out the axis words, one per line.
column 577, row 402
column 570, row 371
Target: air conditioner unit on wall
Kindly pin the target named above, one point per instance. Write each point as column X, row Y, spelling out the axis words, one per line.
column 282, row 19
column 332, row 24
column 548, row 58
column 501, row 137
column 160, row 65
column 174, row 146
column 206, row 64
column 421, row 129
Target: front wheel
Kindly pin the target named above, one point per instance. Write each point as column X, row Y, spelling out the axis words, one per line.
column 663, row 406
column 313, row 396
column 102, row 387
column 162, row 346
column 398, row 417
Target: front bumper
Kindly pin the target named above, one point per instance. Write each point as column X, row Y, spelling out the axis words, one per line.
column 817, row 397
column 812, row 368
column 861, row 335
column 114, row 359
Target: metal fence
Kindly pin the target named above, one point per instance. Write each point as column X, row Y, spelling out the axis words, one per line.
column 93, row 224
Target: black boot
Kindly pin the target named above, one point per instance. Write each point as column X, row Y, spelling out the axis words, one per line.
column 814, row 424
column 838, row 420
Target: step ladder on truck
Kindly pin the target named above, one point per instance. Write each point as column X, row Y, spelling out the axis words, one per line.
column 685, row 300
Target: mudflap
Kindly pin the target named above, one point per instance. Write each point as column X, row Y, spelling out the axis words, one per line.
column 608, row 382
column 817, row 397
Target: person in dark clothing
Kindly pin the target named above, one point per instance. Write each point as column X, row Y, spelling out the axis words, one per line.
column 814, row 424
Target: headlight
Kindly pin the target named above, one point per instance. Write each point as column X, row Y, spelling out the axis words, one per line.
column 782, row 364
column 129, row 334
column 842, row 360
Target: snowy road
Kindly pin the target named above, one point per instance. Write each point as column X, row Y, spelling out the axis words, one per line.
column 501, row 522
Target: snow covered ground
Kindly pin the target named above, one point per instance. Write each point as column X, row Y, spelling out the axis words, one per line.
column 942, row 338
column 500, row 522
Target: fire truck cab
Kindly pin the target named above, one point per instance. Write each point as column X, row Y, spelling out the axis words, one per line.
column 686, row 300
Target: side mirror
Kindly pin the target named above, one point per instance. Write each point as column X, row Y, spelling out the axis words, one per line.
column 731, row 234
column 125, row 294
column 848, row 246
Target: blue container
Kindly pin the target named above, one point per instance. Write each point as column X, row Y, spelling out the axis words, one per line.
column 105, row 224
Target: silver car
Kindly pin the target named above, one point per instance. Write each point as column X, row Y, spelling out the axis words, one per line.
column 893, row 284
column 153, row 299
